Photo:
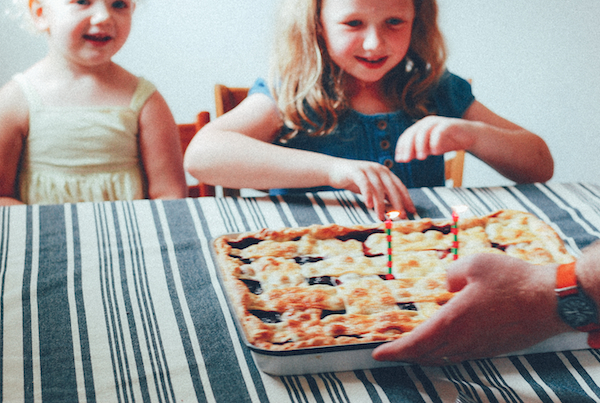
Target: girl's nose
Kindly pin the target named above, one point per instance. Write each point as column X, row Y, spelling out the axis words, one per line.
column 100, row 13
column 372, row 39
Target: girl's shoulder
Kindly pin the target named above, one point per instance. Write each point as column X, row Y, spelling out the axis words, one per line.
column 452, row 95
column 260, row 86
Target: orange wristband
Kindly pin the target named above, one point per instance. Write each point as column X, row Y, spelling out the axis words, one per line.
column 574, row 303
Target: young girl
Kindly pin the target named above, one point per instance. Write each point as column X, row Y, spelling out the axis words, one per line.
column 76, row 126
column 359, row 100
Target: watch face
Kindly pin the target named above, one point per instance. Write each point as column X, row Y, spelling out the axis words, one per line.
column 577, row 310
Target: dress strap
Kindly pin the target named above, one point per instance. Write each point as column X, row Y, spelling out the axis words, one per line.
column 143, row 91
column 33, row 98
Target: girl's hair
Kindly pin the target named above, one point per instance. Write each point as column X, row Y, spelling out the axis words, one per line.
column 308, row 86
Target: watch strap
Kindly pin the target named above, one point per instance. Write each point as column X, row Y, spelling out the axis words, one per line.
column 566, row 280
column 566, row 284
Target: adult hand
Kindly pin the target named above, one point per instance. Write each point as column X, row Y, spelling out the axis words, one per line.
column 435, row 135
column 375, row 182
column 504, row 305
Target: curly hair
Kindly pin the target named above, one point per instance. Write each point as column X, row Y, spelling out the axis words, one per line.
column 308, row 86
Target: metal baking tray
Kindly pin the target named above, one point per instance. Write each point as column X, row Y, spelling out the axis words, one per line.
column 350, row 357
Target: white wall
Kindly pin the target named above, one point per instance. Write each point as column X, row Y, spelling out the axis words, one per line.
column 534, row 63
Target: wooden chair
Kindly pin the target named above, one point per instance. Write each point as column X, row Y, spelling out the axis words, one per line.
column 454, row 167
column 228, row 98
column 186, row 132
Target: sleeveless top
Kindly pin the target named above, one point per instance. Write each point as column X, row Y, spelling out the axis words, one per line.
column 81, row 153
column 374, row 137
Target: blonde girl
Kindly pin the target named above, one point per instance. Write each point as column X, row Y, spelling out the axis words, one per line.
column 78, row 127
column 359, row 99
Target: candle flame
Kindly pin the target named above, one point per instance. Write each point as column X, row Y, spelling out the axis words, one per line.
column 392, row 215
column 460, row 209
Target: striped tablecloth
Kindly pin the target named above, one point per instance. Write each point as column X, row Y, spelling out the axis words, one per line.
column 119, row 302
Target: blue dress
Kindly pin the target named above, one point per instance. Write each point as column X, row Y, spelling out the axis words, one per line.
column 374, row 137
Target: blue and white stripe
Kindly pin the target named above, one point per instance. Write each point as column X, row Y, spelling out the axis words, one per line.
column 120, row 302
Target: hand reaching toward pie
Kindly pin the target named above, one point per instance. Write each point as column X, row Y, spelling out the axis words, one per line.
column 375, row 182
column 435, row 135
column 504, row 304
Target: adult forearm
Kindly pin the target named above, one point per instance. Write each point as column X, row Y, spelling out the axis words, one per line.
column 588, row 272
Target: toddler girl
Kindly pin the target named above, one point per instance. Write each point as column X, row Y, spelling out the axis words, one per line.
column 359, row 99
column 76, row 126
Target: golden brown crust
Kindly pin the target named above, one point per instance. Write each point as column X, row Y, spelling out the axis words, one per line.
column 325, row 285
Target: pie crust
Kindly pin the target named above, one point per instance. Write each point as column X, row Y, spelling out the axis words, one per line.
column 326, row 285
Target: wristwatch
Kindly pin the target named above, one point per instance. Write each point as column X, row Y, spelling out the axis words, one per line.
column 574, row 307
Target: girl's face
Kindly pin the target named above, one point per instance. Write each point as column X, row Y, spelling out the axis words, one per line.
column 367, row 38
column 86, row 32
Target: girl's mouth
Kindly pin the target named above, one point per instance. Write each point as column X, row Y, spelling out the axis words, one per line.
column 372, row 63
column 97, row 39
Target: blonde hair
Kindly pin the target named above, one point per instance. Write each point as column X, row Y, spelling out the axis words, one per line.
column 308, row 86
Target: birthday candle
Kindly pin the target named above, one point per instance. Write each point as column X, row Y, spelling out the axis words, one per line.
column 388, row 226
column 455, row 211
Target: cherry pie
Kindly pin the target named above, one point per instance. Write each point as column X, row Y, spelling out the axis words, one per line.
column 329, row 285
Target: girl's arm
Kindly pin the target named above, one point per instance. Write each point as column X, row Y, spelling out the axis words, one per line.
column 160, row 150
column 236, row 151
column 14, row 123
column 514, row 152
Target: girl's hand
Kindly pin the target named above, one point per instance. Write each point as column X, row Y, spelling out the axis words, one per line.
column 375, row 182
column 434, row 135
column 504, row 305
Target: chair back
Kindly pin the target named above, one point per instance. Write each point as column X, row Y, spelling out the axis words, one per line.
column 186, row 132
column 454, row 167
column 227, row 98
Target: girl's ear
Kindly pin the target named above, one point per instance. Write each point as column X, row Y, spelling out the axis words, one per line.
column 36, row 9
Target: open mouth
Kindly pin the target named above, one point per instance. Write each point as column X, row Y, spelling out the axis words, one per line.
column 97, row 38
column 372, row 63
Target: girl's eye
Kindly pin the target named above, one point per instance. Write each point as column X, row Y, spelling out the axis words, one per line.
column 120, row 4
column 394, row 22
column 354, row 23
column 83, row 2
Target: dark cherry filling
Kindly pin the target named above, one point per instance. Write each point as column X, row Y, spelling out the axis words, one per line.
column 368, row 253
column 244, row 261
column 326, row 313
column 407, row 306
column 360, row 236
column 281, row 343
column 267, row 317
column 244, row 243
column 307, row 259
column 325, row 280
column 446, row 229
column 386, row 277
column 253, row 286
column 498, row 246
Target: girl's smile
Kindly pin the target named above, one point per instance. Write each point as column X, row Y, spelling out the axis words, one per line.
column 371, row 63
column 97, row 39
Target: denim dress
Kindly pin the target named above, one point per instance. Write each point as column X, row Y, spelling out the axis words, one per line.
column 374, row 137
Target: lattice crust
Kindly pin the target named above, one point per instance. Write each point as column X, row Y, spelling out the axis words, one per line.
column 326, row 285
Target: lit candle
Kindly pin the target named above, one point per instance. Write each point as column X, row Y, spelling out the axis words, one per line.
column 455, row 211
column 388, row 226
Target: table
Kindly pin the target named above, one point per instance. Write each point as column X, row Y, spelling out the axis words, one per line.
column 119, row 302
